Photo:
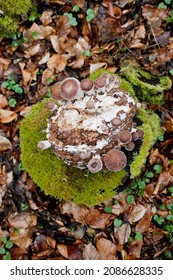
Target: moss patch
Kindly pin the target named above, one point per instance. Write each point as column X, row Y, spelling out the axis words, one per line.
column 58, row 179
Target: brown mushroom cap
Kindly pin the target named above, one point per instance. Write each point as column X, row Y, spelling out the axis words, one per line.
column 84, row 155
column 115, row 160
column 55, row 91
column 135, row 136
column 86, row 85
column 100, row 82
column 116, row 122
column 125, row 136
column 50, row 105
column 130, row 146
column 69, row 88
column 90, row 104
column 117, row 80
column 95, row 165
column 140, row 133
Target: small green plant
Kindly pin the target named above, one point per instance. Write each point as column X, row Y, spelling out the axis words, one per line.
column 158, row 219
column 171, row 71
column 12, row 102
column 4, row 249
column 24, row 206
column 11, row 85
column 117, row 222
column 138, row 236
column 157, row 168
column 72, row 19
column 168, row 254
column 90, row 14
column 130, row 199
column 108, row 209
column 34, row 35
column 76, row 8
column 86, row 53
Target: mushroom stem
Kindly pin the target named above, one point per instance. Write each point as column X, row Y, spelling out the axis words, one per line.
column 43, row 145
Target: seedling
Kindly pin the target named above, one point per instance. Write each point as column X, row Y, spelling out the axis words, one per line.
column 138, row 236
column 11, row 85
column 72, row 19
column 76, row 8
column 158, row 219
column 12, row 102
column 4, row 249
column 157, row 168
column 24, row 206
column 130, row 199
column 168, row 254
column 117, row 222
column 171, row 71
column 108, row 209
column 86, row 53
column 34, row 35
column 90, row 14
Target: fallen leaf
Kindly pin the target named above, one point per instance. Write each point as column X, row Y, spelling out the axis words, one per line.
column 7, row 116
column 135, row 249
column 144, row 224
column 62, row 248
column 90, row 253
column 47, row 73
column 97, row 220
column 123, row 233
column 106, row 249
column 136, row 213
column 3, row 101
column 22, row 220
column 44, row 58
column 5, row 144
column 79, row 212
column 40, row 243
column 57, row 61
column 22, row 240
column 96, row 66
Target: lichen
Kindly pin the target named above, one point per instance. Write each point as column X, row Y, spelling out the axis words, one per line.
column 13, row 10
column 69, row 182
column 148, row 88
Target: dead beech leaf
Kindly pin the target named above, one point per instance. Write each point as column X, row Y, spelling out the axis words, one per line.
column 95, row 219
column 44, row 58
column 63, row 26
column 135, row 249
column 3, row 101
column 7, row 116
column 96, row 66
column 26, row 76
column 22, row 240
column 22, row 220
column 118, row 209
column 90, row 253
column 79, row 212
column 42, row 31
column 57, row 61
column 123, row 233
column 5, row 62
column 55, row 43
column 122, row 3
column 48, row 73
column 33, row 50
column 63, row 250
column 144, row 224
column 136, row 213
column 26, row 111
column 5, row 144
column 163, row 181
column 78, row 63
column 40, row 243
column 46, row 17
column 106, row 249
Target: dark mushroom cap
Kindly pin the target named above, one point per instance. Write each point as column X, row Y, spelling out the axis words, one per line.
column 116, row 122
column 130, row 146
column 140, row 133
column 125, row 136
column 86, row 85
column 135, row 136
column 95, row 165
column 69, row 88
column 55, row 91
column 100, row 82
column 115, row 160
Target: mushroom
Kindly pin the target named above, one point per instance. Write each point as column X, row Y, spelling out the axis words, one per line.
column 90, row 104
column 70, row 89
column 87, row 86
column 95, row 164
column 116, row 122
column 130, row 146
column 125, row 136
column 51, row 106
column 140, row 133
column 100, row 82
column 115, row 160
column 55, row 91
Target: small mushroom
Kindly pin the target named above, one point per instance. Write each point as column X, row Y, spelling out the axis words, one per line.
column 90, row 104
column 130, row 146
column 95, row 164
column 84, row 155
column 135, row 136
column 140, row 133
column 43, row 145
column 116, row 122
column 51, row 106
column 55, row 91
column 100, row 82
column 86, row 85
column 125, row 136
column 70, row 89
column 117, row 81
column 115, row 160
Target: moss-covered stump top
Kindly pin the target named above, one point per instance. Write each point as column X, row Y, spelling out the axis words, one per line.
column 82, row 186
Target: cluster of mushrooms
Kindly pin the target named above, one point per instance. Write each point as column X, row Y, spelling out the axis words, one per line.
column 93, row 127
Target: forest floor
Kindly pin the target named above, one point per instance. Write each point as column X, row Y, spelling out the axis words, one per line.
column 49, row 48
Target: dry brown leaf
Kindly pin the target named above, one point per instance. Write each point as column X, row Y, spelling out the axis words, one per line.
column 44, row 58
column 79, row 212
column 26, row 76
column 48, row 73
column 90, row 253
column 135, row 248
column 63, row 250
column 136, row 213
column 22, row 240
column 106, row 249
column 122, row 3
column 42, row 31
column 40, row 243
column 95, row 219
column 55, row 43
column 57, row 62
column 7, row 116
column 144, row 224
column 118, row 209
column 46, row 17
column 22, row 220
column 5, row 144
column 123, row 233
column 33, row 50
column 163, row 181
column 3, row 101
column 96, row 66
column 63, row 26
column 78, row 63
column 26, row 111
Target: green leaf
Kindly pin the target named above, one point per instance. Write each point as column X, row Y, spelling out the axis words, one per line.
column 162, row 207
column 149, row 174
column 130, row 199
column 24, row 206
column 168, row 1
column 171, row 71
column 170, row 207
column 7, row 256
column 72, row 20
column 141, row 184
column 170, row 217
column 17, row 88
column 108, row 209
column 5, row 84
column 157, row 168
column 2, row 251
column 9, row 244
column 162, row 6
column 76, row 8
column 159, row 220
column 168, row 254
column 12, row 102
column 138, row 236
column 86, row 53
column 34, row 34
column 4, row 239
column 90, row 14
column 117, row 222
column 14, row 44
column 171, row 189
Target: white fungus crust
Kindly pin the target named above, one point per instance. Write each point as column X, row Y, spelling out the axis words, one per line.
column 90, row 129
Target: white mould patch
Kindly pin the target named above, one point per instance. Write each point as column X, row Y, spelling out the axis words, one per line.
column 84, row 131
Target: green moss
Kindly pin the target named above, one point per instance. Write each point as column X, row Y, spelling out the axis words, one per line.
column 13, row 10
column 71, row 183
column 55, row 177
column 147, row 87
